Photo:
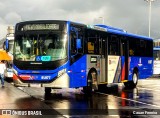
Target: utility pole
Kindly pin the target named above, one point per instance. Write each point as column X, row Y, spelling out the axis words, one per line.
column 149, row 16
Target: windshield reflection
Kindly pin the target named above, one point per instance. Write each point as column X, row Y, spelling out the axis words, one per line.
column 48, row 47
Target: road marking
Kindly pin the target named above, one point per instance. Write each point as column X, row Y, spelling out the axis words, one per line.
column 131, row 100
column 148, row 89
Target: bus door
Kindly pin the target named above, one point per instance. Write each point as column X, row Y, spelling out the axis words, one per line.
column 114, row 59
column 103, row 61
column 124, row 59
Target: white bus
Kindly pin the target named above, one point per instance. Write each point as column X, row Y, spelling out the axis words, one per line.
column 8, row 73
column 156, row 54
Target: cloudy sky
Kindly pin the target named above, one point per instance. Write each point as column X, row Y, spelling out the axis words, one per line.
column 130, row 15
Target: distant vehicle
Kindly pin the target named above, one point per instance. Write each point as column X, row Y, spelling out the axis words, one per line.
column 156, row 54
column 8, row 73
column 62, row 54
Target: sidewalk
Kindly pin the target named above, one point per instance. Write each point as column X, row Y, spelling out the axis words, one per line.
column 19, row 103
column 13, row 98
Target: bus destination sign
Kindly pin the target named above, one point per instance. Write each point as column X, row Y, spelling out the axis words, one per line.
column 40, row 27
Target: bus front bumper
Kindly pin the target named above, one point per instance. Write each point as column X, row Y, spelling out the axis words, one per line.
column 60, row 82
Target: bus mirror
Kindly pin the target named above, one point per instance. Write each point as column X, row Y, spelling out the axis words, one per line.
column 6, row 45
column 78, row 43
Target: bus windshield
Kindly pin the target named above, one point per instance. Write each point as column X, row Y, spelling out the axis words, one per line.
column 40, row 47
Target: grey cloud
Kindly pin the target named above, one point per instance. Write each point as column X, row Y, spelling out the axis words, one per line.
column 130, row 15
column 12, row 17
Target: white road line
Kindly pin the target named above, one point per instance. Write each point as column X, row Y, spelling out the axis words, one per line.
column 132, row 100
column 148, row 89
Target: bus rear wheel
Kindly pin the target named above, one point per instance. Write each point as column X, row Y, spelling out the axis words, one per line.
column 91, row 83
column 102, row 87
column 132, row 84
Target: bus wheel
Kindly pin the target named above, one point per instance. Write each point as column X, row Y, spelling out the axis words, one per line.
column 132, row 84
column 102, row 87
column 47, row 90
column 91, row 83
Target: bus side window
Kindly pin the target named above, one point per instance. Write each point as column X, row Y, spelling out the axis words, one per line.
column 131, row 52
column 90, row 47
column 113, row 46
column 93, row 45
column 93, row 42
column 132, row 47
column 73, row 38
column 73, row 43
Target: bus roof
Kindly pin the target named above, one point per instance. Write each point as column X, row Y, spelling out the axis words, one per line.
column 100, row 27
column 122, row 32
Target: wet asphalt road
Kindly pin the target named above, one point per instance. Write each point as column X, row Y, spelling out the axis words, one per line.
column 115, row 101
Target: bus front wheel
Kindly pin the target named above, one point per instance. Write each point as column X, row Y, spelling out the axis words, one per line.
column 132, row 84
column 47, row 90
column 91, row 83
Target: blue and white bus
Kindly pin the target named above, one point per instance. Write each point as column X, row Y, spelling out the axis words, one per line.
column 8, row 73
column 65, row 54
column 156, row 55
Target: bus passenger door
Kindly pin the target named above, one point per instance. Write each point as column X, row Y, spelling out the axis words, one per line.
column 103, row 61
column 124, row 59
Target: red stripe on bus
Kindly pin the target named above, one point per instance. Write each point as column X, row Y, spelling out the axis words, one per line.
column 123, row 73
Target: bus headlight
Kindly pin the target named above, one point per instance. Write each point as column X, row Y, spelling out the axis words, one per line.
column 61, row 72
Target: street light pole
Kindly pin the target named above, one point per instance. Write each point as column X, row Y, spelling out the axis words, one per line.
column 149, row 16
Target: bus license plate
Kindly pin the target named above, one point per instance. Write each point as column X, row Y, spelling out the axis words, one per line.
column 35, row 85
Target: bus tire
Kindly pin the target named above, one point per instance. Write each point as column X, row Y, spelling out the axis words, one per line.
column 102, row 87
column 47, row 90
column 133, row 83
column 91, row 83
